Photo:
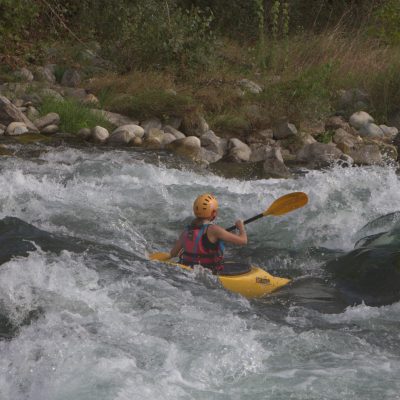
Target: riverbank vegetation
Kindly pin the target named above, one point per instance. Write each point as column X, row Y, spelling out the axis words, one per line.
column 187, row 57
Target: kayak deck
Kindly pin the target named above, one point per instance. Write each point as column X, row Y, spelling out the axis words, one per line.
column 254, row 283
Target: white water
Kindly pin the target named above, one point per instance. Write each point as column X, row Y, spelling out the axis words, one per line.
column 117, row 327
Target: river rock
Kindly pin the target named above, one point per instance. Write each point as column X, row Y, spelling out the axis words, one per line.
column 319, row 155
column 371, row 130
column 24, row 74
column 71, row 78
column 189, row 147
column 366, row 154
column 48, row 119
column 120, row 137
column 50, row 129
column 47, row 92
column 313, row 128
column 389, row 132
column 259, row 152
column 16, row 128
column 210, row 141
column 100, row 134
column 295, row 143
column 167, row 139
column 9, row 113
column 238, row 151
column 152, row 123
column 174, row 122
column 133, row 129
column 345, row 140
column 196, row 127
column 264, row 136
column 84, row 133
column 154, row 133
column 136, row 141
column 336, row 122
column 359, row 119
column 274, row 167
column 250, row 86
column 174, row 131
column 45, row 74
column 284, row 130
column 115, row 118
column 209, row 156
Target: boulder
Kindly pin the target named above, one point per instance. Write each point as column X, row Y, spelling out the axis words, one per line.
column 133, row 129
column 359, row 119
column 274, row 167
column 136, row 141
column 24, row 74
column 389, row 132
column 250, row 86
column 238, row 151
column 210, row 141
column 259, row 152
column 100, row 134
column 174, row 122
column 284, row 130
column 295, row 143
column 48, row 119
column 371, row 130
column 366, row 154
column 318, row 155
column 116, row 119
column 195, row 127
column 167, row 139
column 345, row 140
column 45, row 74
column 264, row 136
column 189, row 147
column 9, row 113
column 388, row 151
column 84, row 133
column 336, row 122
column 174, row 131
column 47, row 92
column 209, row 156
column 150, row 124
column 50, row 129
column 121, row 137
column 71, row 78
column 16, row 128
column 154, row 133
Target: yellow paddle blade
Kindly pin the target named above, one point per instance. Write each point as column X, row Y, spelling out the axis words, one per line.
column 287, row 203
column 160, row 256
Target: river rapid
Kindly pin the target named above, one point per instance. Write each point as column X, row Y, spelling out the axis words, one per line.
column 84, row 315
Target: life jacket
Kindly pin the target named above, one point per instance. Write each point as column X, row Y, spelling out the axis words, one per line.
column 194, row 252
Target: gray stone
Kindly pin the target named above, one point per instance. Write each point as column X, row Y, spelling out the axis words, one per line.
column 150, row 124
column 295, row 143
column 274, row 167
column 48, row 119
column 32, row 113
column 24, row 74
column 9, row 113
column 50, row 129
column 238, row 151
column 209, row 156
column 71, row 78
column 84, row 133
column 155, row 133
column 284, row 130
column 133, row 129
column 16, row 128
column 210, row 141
column 136, row 141
column 189, row 147
column 115, row 119
column 389, row 132
column 198, row 127
column 336, row 122
column 175, row 122
column 259, row 152
column 250, row 86
column 264, row 136
column 174, row 131
column 359, row 119
column 167, row 139
column 366, row 154
column 51, row 93
column 318, row 155
column 100, row 134
column 345, row 140
column 371, row 130
column 45, row 74
column 121, row 137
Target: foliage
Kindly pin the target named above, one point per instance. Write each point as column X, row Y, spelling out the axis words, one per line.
column 231, row 124
column 73, row 114
column 387, row 22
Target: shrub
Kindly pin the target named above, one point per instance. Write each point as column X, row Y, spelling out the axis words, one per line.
column 73, row 115
column 387, row 22
column 231, row 124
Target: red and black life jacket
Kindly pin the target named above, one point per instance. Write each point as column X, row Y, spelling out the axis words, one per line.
column 194, row 251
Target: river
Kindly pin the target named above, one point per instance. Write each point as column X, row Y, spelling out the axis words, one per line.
column 84, row 315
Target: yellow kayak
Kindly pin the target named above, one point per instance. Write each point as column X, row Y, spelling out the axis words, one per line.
column 249, row 281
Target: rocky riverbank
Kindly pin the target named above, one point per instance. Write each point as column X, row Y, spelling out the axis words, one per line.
column 273, row 151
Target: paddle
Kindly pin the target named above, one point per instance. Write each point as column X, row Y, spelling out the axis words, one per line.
column 283, row 205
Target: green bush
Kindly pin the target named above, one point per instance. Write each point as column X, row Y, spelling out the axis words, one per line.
column 73, row 115
column 387, row 22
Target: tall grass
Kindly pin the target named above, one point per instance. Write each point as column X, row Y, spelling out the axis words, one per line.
column 73, row 115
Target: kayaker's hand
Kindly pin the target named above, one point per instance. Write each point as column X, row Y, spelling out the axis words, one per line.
column 240, row 225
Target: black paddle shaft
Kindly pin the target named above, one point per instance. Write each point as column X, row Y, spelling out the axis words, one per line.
column 232, row 228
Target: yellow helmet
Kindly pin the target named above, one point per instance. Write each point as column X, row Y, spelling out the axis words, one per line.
column 204, row 205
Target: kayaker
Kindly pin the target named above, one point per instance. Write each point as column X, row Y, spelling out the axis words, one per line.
column 202, row 242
